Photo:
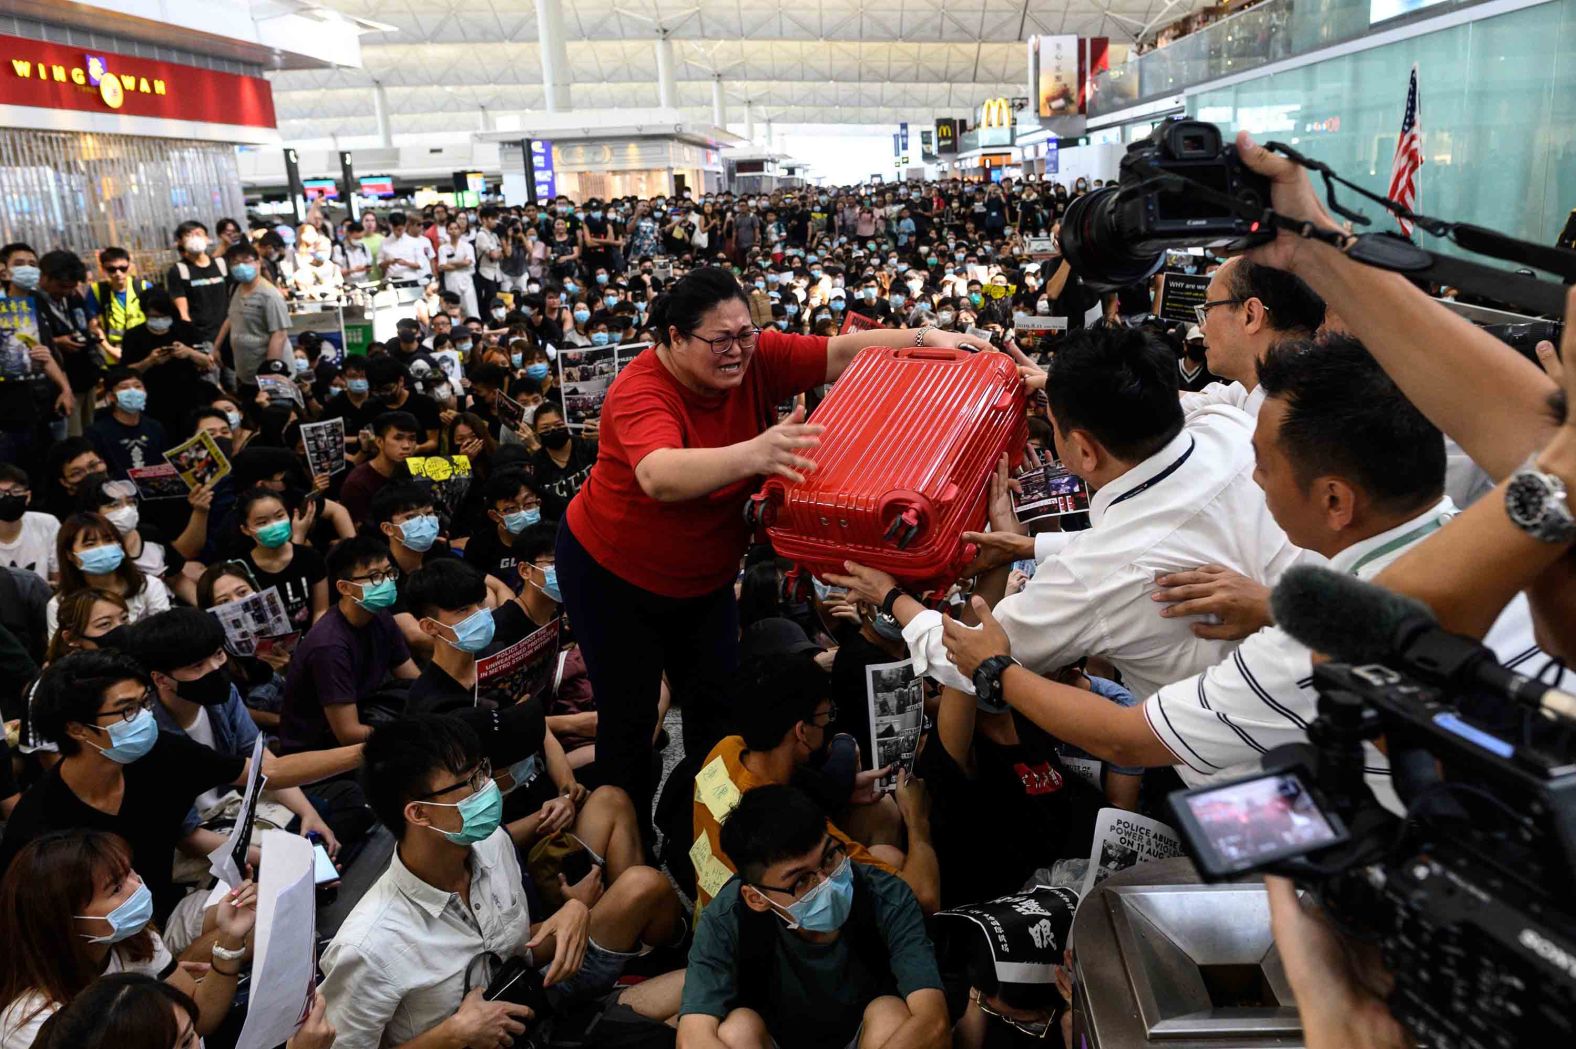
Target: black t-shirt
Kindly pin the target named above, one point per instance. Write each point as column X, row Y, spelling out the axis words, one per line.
column 207, row 293
column 339, row 407
column 1021, row 811
column 558, row 484
column 295, row 582
column 127, row 447
column 176, row 387
column 424, row 408
column 160, row 789
column 493, row 556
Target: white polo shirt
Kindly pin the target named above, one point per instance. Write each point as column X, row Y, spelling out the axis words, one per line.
column 1218, row 723
column 1192, row 503
column 486, row 241
column 410, row 248
column 397, row 966
column 1232, row 393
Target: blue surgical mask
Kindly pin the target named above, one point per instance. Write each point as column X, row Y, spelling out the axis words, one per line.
column 886, row 627
column 519, row 520
column 130, row 740
column 302, row 364
column 782, row 325
column 418, row 533
column 378, row 596
column 522, row 772
column 160, row 325
column 610, row 301
column 127, row 920
column 243, row 272
column 463, row 347
column 550, row 584
column 516, row 359
column 600, row 338
column 760, row 285
column 474, row 632
column 25, row 277
column 131, row 399
column 581, row 316
column 601, row 278
column 537, row 371
column 822, row 590
column 357, row 385
column 793, row 309
column 825, row 908
column 571, row 287
column 101, row 560
column 480, row 815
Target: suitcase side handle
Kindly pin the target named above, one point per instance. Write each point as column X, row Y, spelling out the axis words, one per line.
column 932, row 353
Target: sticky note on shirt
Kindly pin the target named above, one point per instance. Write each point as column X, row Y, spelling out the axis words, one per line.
column 712, row 875
column 715, row 789
column 700, row 852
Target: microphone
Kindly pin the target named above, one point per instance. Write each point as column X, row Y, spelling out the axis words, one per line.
column 1358, row 622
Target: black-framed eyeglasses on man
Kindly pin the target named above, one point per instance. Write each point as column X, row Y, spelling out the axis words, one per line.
column 376, row 578
column 1201, row 311
column 723, row 343
column 477, row 781
column 130, row 708
column 832, row 858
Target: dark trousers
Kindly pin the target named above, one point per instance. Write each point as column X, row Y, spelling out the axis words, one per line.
column 630, row 637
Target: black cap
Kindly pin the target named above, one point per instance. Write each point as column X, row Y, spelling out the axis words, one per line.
column 775, row 636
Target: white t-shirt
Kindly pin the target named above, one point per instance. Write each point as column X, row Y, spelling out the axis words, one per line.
column 20, row 1020
column 34, row 549
column 201, row 730
column 457, row 280
column 154, row 597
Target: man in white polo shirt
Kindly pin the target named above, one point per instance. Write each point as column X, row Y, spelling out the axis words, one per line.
column 404, row 256
column 1351, row 470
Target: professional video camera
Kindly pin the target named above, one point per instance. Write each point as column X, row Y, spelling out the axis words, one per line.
column 1469, row 896
column 1186, row 187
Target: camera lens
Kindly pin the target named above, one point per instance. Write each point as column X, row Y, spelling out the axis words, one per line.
column 1097, row 250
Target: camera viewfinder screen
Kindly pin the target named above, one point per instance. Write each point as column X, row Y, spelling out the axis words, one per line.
column 1261, row 819
column 1185, row 205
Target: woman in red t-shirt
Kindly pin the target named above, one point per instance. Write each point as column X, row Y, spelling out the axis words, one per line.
column 651, row 545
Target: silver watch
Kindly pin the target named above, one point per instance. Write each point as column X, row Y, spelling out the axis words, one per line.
column 1539, row 504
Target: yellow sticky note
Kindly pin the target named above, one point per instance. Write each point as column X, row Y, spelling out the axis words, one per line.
column 716, row 790
column 712, row 875
column 700, row 852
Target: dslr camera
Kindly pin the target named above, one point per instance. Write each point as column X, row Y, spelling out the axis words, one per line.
column 1118, row 235
column 1468, row 897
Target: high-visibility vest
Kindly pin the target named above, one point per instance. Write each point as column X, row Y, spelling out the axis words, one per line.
column 115, row 317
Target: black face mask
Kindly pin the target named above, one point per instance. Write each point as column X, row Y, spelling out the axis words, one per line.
column 12, row 507
column 210, row 690
column 114, row 638
column 555, row 438
column 1196, row 353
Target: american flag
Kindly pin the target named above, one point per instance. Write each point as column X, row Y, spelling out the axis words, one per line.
column 1408, row 156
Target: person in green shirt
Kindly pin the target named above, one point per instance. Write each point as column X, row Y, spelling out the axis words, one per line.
column 803, row 948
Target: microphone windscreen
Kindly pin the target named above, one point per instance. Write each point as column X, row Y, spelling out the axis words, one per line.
column 1340, row 615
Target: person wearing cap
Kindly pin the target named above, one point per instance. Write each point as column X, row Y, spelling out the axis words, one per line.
column 1193, row 372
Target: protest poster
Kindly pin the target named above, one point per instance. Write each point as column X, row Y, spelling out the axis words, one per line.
column 585, row 374
column 280, row 390
column 1124, row 839
column 448, row 362
column 1179, row 293
column 897, row 710
column 18, row 336
column 198, row 461
column 1034, row 332
column 1049, row 491
column 859, row 322
column 448, row 477
column 1028, row 931
column 999, row 291
column 524, row 670
column 325, row 446
column 511, row 413
column 159, row 481
column 284, row 959
column 228, row 861
column 248, row 621
column 282, row 645
column 1040, row 247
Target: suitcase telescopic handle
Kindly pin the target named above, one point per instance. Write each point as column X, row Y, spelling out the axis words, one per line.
column 904, row 528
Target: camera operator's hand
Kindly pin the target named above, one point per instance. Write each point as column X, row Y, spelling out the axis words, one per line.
column 1291, row 195
column 1333, row 983
column 1242, row 605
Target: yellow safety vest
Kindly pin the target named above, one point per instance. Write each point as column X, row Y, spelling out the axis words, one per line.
column 115, row 318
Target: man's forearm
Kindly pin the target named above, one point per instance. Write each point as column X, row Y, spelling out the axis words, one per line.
column 1120, row 735
column 921, row 869
column 926, row 1027
column 309, row 766
column 1499, row 418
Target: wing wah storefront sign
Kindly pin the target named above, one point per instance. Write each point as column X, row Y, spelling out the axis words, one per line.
column 49, row 76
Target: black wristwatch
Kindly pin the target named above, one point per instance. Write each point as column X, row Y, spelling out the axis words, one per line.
column 987, row 682
column 890, row 601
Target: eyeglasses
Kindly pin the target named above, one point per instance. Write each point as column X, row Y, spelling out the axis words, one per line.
column 832, row 861
column 377, row 578
column 723, row 343
column 117, row 269
column 1032, row 1028
column 1201, row 311
column 477, row 781
column 130, row 713
column 831, row 716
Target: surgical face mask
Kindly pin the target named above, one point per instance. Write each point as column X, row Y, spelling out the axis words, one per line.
column 760, row 285
column 601, row 278
column 355, row 386
column 474, row 632
column 610, row 301
column 868, row 294
column 302, row 365
column 554, row 438
column 131, row 399
column 571, row 287
column 976, row 298
column 443, row 394
column 518, row 521
column 825, row 908
column 160, row 325
column 792, row 309
column 101, row 560
column 378, row 596
column 127, row 920
column 25, row 277
column 816, row 273
column 550, row 584
column 124, row 518
column 782, row 325
column 130, row 740
column 599, row 338
column 195, row 245
column 500, row 313
column 944, row 318
column 419, row 533
column 275, row 534
column 538, row 371
column 1042, row 307
column 234, row 418
column 244, row 272
column 886, row 627
column 480, row 815
column 581, row 316
column 931, row 260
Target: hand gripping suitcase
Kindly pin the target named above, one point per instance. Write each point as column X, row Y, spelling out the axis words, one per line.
column 903, row 468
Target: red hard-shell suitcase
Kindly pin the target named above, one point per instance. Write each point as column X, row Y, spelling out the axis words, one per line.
column 903, row 469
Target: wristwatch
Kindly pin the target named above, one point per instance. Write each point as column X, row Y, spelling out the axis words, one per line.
column 890, row 601
column 1539, row 504
column 987, row 682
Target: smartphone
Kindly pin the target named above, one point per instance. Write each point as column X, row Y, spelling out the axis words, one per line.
column 323, row 869
column 1244, row 825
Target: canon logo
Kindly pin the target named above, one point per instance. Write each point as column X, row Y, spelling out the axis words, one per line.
column 1549, row 951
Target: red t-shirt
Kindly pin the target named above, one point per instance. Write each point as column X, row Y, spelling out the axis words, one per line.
column 688, row 548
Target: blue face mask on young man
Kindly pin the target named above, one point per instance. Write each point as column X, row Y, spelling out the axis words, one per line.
column 419, row 533
column 519, row 520
column 377, row 596
column 826, row 907
column 537, row 371
column 474, row 632
column 480, row 815
column 130, row 740
column 131, row 399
